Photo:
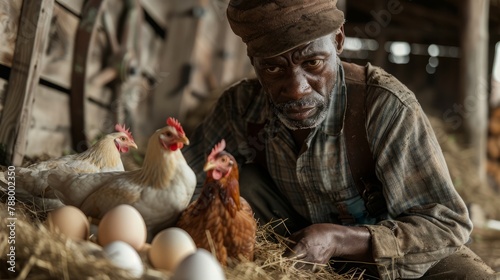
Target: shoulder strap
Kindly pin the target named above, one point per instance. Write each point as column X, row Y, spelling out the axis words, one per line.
column 359, row 154
column 255, row 142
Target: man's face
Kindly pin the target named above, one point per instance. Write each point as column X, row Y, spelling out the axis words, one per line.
column 300, row 82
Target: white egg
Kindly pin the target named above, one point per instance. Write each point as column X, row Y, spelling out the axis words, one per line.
column 124, row 256
column 199, row 266
column 169, row 247
column 122, row 223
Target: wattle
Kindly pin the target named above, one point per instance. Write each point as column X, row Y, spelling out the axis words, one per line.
column 216, row 174
column 174, row 147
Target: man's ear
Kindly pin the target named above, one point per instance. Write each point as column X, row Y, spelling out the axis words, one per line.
column 339, row 39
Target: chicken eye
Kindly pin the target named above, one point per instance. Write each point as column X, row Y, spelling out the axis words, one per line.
column 123, row 138
column 169, row 134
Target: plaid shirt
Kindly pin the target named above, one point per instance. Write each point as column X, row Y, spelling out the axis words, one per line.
column 426, row 220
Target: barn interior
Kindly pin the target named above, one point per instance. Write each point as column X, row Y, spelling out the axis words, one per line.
column 71, row 69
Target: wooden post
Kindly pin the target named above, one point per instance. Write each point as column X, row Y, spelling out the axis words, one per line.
column 31, row 40
column 473, row 67
column 495, row 75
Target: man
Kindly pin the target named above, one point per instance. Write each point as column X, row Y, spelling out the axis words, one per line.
column 286, row 129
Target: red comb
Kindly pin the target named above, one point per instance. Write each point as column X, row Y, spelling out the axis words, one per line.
column 121, row 128
column 219, row 147
column 175, row 123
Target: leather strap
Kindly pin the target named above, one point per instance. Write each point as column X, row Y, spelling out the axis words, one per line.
column 359, row 154
column 256, row 143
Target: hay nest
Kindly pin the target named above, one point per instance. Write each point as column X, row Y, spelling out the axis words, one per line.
column 41, row 254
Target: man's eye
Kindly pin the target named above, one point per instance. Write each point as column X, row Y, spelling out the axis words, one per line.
column 314, row 63
column 273, row 70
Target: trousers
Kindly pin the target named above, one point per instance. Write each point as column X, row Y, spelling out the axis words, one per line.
column 269, row 205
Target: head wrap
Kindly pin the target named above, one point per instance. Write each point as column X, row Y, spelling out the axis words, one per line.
column 272, row 27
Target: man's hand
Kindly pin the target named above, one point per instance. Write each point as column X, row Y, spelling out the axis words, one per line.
column 320, row 242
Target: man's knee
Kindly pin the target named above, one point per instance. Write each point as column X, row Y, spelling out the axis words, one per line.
column 463, row 264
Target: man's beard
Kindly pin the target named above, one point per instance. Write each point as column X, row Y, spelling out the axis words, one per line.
column 313, row 100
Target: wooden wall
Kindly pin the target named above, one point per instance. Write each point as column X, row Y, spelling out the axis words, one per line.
column 187, row 54
column 49, row 123
column 201, row 56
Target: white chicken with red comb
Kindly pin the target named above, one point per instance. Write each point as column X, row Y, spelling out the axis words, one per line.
column 160, row 190
column 102, row 156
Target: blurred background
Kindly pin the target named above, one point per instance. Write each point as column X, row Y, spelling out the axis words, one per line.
column 71, row 69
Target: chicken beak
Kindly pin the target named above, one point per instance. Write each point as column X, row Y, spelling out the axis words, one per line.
column 183, row 139
column 209, row 166
column 132, row 144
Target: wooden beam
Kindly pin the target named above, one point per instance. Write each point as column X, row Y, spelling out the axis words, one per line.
column 399, row 33
column 74, row 6
column 26, row 66
column 407, row 13
column 474, row 83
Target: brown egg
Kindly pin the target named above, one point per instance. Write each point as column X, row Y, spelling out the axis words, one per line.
column 169, row 247
column 122, row 223
column 70, row 221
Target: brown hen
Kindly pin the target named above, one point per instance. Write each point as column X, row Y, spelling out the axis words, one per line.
column 220, row 216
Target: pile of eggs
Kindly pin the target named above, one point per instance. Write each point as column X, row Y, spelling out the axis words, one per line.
column 122, row 234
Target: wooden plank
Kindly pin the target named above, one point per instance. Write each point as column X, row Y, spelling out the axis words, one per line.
column 220, row 59
column 58, row 55
column 75, row 6
column 48, row 143
column 26, row 67
column 176, row 61
column 3, row 94
column 158, row 10
column 49, row 124
column 10, row 12
column 98, row 121
column 141, row 103
column 51, row 127
column 474, row 84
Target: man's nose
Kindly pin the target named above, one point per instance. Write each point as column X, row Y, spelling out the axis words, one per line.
column 296, row 86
